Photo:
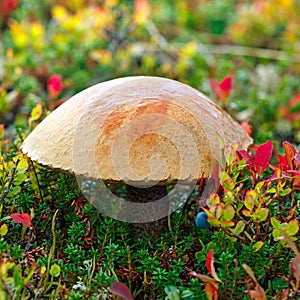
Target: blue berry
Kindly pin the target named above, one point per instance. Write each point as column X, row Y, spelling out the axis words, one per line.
column 201, row 220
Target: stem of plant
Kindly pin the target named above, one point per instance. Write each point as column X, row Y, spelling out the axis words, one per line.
column 52, row 249
column 11, row 179
column 37, row 179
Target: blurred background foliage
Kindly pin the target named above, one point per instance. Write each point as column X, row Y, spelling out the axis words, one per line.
column 85, row 42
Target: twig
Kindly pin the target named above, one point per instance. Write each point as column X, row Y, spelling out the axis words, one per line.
column 11, row 179
column 236, row 50
column 210, row 50
column 37, row 179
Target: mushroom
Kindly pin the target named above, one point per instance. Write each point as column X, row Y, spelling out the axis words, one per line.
column 145, row 132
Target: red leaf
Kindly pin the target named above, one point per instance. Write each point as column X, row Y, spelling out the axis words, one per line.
column 209, row 263
column 282, row 162
column 262, row 156
column 54, row 86
column 23, row 219
column 11, row 4
column 221, row 90
column 243, row 154
column 290, row 153
column 226, row 85
column 121, row 290
column 7, row 6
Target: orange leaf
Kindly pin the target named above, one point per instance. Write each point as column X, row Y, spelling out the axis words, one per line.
column 142, row 10
column 1, row 131
column 290, row 153
column 294, row 101
column 211, row 291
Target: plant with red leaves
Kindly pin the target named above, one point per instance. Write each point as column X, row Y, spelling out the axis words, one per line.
column 242, row 206
column 260, row 161
column 222, row 89
column 211, row 285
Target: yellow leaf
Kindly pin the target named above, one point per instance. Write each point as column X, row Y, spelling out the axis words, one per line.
column 36, row 112
column 43, row 269
column 59, row 13
column 111, row 3
column 37, row 33
column 3, row 229
column 102, row 56
column 18, row 33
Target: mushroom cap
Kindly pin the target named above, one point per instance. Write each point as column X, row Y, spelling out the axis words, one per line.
column 136, row 130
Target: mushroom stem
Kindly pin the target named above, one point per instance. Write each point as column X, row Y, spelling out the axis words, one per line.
column 145, row 195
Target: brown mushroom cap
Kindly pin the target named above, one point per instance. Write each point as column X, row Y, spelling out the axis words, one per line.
column 135, row 130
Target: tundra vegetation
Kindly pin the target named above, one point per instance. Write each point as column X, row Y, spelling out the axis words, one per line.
column 245, row 56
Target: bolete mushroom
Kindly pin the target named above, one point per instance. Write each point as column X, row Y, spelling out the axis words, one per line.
column 144, row 132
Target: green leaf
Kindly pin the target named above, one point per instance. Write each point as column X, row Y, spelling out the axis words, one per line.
column 213, row 221
column 226, row 181
column 272, row 190
column 276, row 234
column 228, row 212
column 14, row 191
column 239, row 228
column 248, row 236
column 292, row 227
column 259, row 186
column 55, row 270
column 285, row 192
column 261, row 214
column 172, row 293
column 214, row 199
column 18, row 277
column 282, row 227
column 226, row 224
column 249, row 200
column 3, row 229
column 278, row 283
column 275, row 223
column 256, row 246
column 187, row 294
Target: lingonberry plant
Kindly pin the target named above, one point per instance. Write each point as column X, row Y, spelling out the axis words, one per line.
column 250, row 193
